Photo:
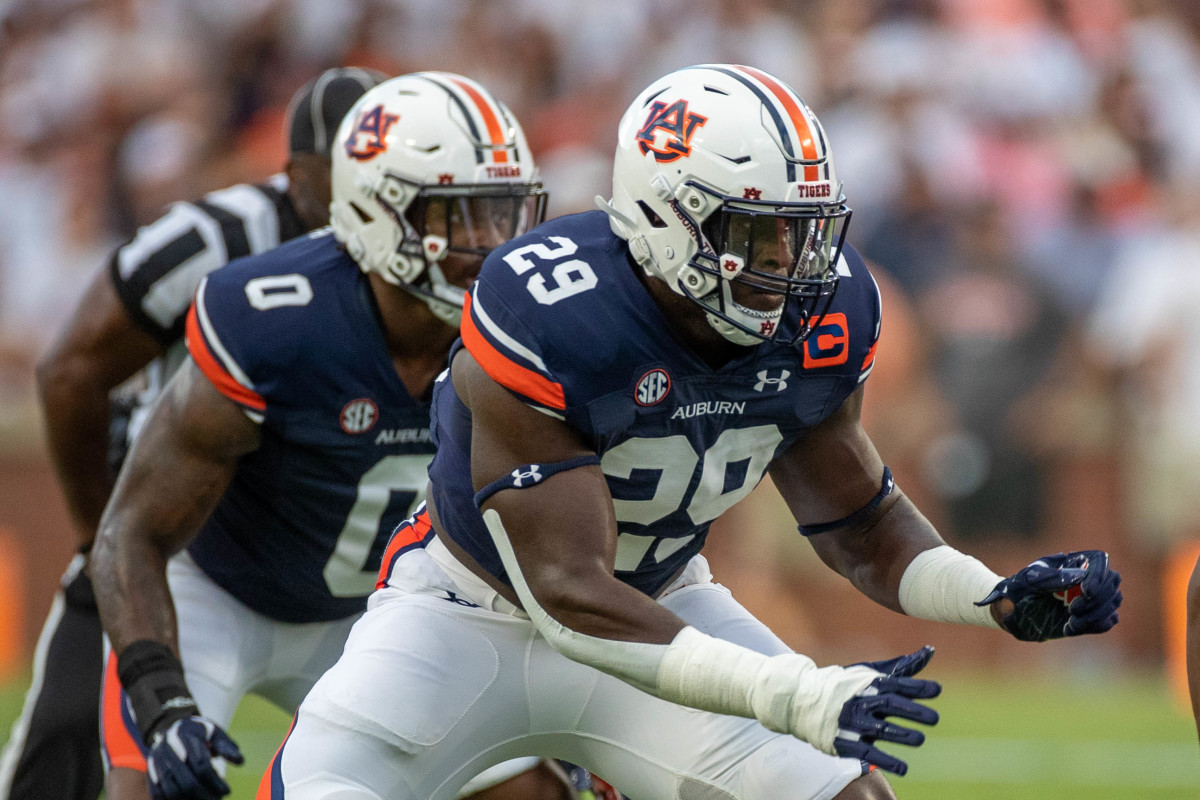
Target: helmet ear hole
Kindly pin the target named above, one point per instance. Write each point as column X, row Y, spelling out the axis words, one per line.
column 362, row 214
column 654, row 219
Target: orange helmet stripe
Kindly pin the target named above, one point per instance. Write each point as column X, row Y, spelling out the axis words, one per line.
column 490, row 119
column 808, row 143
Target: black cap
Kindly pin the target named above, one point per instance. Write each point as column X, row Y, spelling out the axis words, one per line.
column 317, row 109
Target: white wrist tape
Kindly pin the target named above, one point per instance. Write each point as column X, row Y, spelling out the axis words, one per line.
column 943, row 585
column 787, row 693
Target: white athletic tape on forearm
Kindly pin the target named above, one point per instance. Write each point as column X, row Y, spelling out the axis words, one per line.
column 943, row 585
column 787, row 693
column 633, row 662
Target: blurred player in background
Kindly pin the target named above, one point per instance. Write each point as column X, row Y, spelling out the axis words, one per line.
column 132, row 318
column 624, row 378
column 296, row 438
column 1193, row 642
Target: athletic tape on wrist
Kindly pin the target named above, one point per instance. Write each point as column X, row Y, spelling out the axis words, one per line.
column 786, row 693
column 529, row 475
column 850, row 520
column 943, row 585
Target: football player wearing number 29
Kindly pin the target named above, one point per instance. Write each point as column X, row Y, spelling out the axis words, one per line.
column 625, row 376
column 296, row 438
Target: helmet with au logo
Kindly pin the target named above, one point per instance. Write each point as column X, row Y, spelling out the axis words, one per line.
column 724, row 187
column 428, row 165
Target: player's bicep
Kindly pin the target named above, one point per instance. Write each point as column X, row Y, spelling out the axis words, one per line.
column 835, row 475
column 181, row 462
column 509, row 435
column 507, row 432
column 832, row 470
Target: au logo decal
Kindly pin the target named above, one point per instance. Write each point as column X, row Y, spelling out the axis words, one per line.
column 677, row 123
column 367, row 140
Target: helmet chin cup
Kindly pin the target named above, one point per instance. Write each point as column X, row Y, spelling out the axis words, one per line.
column 732, row 332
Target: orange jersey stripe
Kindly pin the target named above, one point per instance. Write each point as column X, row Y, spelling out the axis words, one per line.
column 119, row 743
column 404, row 536
column 504, row 372
column 265, row 785
column 808, row 145
column 495, row 131
column 225, row 383
column 870, row 359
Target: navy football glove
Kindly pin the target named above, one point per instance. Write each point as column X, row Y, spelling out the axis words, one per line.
column 864, row 717
column 1067, row 594
column 179, row 766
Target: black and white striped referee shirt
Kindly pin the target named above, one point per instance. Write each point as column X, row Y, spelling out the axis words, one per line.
column 156, row 274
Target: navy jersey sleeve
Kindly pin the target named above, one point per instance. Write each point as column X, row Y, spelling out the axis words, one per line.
column 518, row 325
column 245, row 328
column 844, row 341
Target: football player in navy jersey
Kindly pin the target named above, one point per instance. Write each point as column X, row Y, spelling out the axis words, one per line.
column 129, row 321
column 624, row 376
column 248, row 523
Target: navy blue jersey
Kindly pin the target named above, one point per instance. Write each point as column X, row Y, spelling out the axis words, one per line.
column 294, row 337
column 560, row 318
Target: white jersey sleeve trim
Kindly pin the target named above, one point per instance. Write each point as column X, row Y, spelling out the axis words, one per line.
column 214, row 341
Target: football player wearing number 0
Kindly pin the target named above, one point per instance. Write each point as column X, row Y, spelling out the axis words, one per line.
column 131, row 319
column 248, row 523
column 625, row 376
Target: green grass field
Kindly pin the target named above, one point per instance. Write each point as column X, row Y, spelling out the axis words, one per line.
column 1124, row 739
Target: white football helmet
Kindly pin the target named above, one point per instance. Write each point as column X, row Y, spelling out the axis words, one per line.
column 425, row 165
column 723, row 178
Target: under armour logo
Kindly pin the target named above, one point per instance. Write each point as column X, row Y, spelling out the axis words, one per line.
column 779, row 383
column 533, row 476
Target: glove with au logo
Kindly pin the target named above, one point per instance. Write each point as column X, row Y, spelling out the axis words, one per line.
column 1067, row 594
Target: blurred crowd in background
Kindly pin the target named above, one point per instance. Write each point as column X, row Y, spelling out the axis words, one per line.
column 1024, row 173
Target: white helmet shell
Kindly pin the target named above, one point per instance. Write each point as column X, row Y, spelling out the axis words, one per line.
column 423, row 134
column 735, row 140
